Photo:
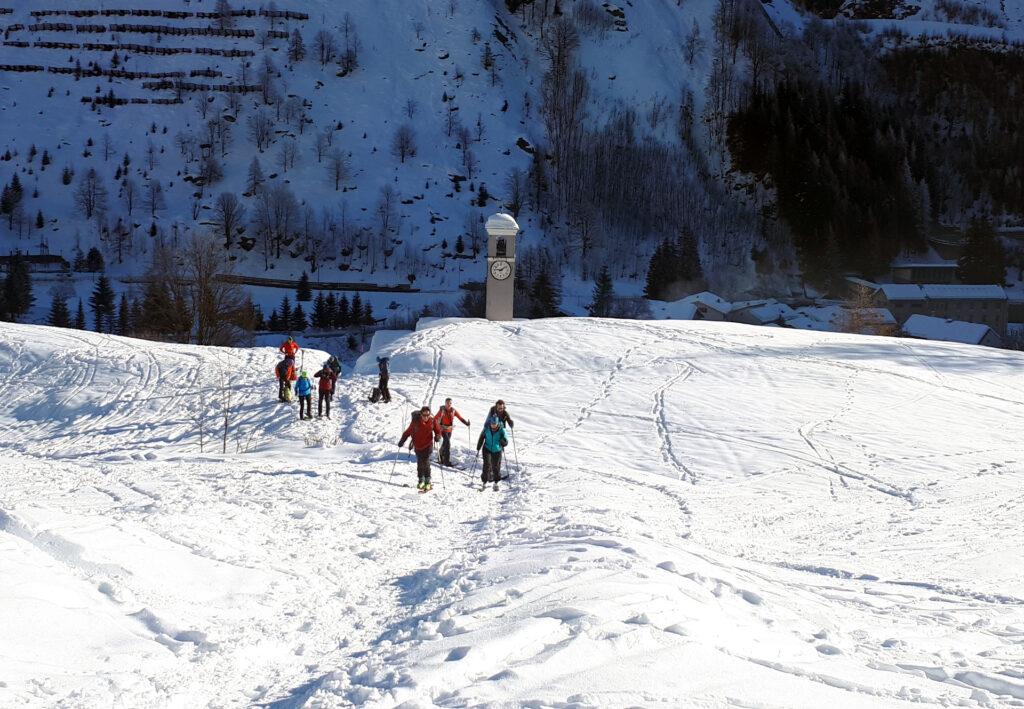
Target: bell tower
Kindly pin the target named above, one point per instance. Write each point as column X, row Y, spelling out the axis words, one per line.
column 501, row 266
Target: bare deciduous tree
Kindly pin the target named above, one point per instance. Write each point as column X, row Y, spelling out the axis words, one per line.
column 255, row 176
column 221, row 312
column 202, row 101
column 91, row 194
column 260, row 127
column 325, row 46
column 153, row 199
column 404, row 143
column 228, row 215
column 337, row 167
column 515, row 191
column 320, row 144
column 351, row 45
column 288, row 153
column 130, row 194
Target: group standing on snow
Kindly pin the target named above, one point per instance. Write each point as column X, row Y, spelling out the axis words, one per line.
column 285, row 371
column 424, row 431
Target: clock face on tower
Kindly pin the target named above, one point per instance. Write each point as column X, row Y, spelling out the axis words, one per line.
column 500, row 270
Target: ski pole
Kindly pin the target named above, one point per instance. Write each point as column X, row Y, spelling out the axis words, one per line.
column 475, row 459
column 439, row 467
column 515, row 452
column 393, row 466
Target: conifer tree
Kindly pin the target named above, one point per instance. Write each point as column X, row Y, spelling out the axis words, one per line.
column 101, row 302
column 983, row 259
column 342, row 316
column 80, row 316
column 59, row 315
column 298, row 320
column 274, row 324
column 544, row 293
column 94, row 261
column 330, row 311
column 604, row 295
column 284, row 311
column 688, row 267
column 355, row 315
column 303, row 293
column 296, row 48
column 17, row 295
column 319, row 317
column 124, row 316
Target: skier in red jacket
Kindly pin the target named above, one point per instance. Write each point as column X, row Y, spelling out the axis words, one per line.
column 445, row 417
column 424, row 432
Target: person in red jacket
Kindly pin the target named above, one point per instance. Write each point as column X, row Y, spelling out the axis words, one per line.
column 289, row 348
column 445, row 417
column 325, row 390
column 424, row 432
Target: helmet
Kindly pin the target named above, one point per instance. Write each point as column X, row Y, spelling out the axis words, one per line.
column 493, row 421
column 303, row 373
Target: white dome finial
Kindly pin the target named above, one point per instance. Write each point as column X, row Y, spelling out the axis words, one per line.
column 502, row 224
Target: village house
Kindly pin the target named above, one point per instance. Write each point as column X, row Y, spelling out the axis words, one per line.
column 925, row 327
column 984, row 304
column 39, row 263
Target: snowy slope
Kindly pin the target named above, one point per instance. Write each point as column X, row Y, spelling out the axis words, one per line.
column 418, row 52
column 702, row 514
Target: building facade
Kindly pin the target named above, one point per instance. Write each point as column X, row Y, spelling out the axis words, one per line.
column 987, row 305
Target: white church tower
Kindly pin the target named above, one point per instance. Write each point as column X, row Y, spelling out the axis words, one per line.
column 501, row 266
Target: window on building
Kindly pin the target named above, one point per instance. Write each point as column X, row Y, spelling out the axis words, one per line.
column 501, row 249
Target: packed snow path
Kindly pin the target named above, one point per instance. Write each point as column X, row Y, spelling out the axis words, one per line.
column 703, row 514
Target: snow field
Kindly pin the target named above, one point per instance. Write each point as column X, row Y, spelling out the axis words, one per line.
column 704, row 515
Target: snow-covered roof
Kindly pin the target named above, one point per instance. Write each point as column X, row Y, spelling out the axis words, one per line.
column 710, row 300
column 931, row 328
column 502, row 224
column 822, row 313
column 947, row 292
column 911, row 291
column 742, row 304
column 862, row 282
column 676, row 310
column 771, row 311
column 882, row 316
column 804, row 322
column 902, row 291
column 923, row 259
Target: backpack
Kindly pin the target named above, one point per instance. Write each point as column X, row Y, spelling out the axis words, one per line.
column 375, row 395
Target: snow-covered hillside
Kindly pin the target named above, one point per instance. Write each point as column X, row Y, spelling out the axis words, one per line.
column 420, row 64
column 698, row 514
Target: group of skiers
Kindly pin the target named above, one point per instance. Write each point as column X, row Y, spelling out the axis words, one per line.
column 424, row 431
column 286, row 374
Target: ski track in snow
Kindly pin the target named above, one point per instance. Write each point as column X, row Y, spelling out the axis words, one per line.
column 667, row 521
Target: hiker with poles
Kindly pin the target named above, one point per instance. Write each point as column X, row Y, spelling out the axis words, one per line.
column 424, row 432
column 445, row 417
column 492, row 442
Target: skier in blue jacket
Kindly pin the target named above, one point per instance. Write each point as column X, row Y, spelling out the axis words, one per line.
column 304, row 388
column 492, row 440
